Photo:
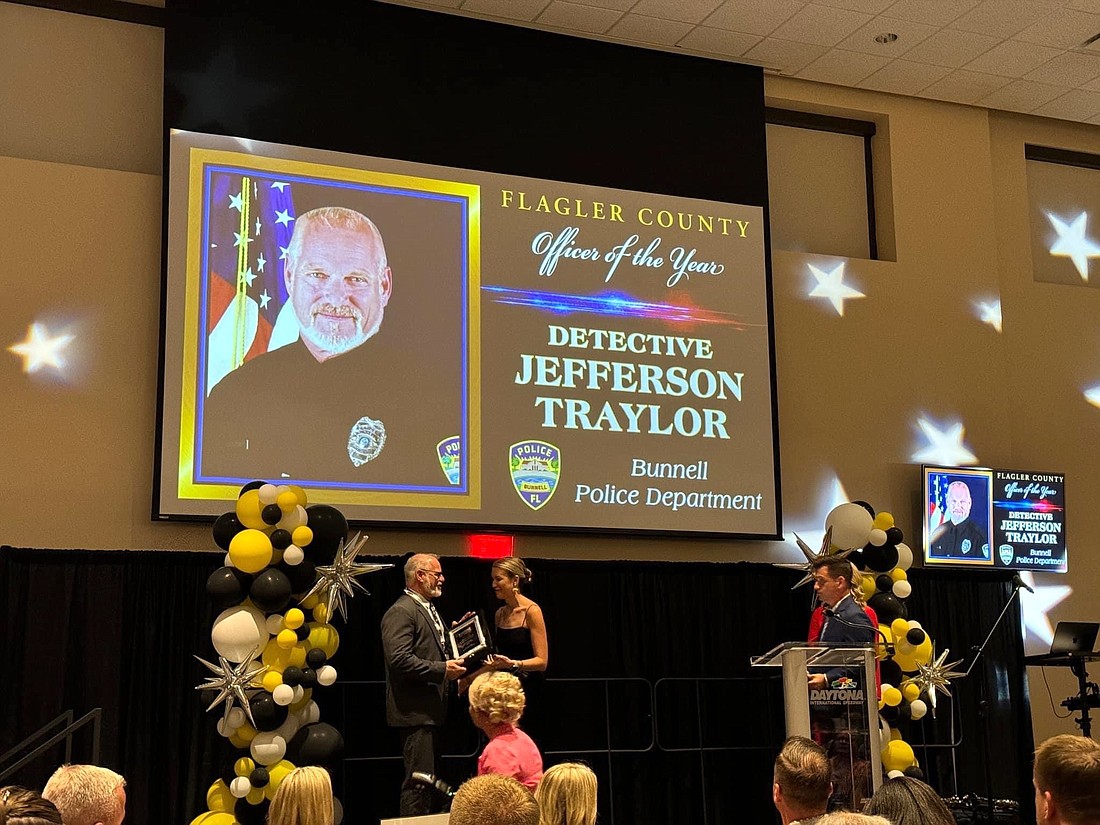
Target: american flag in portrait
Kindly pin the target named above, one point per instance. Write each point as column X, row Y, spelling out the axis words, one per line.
column 251, row 219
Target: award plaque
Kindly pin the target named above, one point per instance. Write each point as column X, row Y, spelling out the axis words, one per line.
column 467, row 638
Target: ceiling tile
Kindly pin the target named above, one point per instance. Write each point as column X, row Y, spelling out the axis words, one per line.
column 962, row 86
column 614, row 5
column 753, row 16
column 1012, row 58
column 866, row 6
column 688, row 11
column 1064, row 29
column 718, row 41
column 641, row 29
column 909, row 35
column 949, row 47
column 509, row 9
column 903, row 77
column 1077, row 104
column 843, row 68
column 821, row 25
column 1003, row 18
column 575, row 17
column 931, row 12
column 1084, row 5
column 1069, row 69
column 787, row 57
column 1022, row 96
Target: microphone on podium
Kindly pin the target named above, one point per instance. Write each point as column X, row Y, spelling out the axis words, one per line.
column 1017, row 582
column 434, row 782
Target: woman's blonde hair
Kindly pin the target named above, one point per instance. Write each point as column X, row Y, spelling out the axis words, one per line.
column 514, row 567
column 499, row 695
column 304, row 798
column 567, row 795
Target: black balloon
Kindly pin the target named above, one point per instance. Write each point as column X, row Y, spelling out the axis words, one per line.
column 265, row 712
column 227, row 586
column 891, row 672
column 309, row 678
column 890, row 714
column 329, row 529
column 905, row 711
column 247, row 814
column 316, row 744
column 225, row 528
column 881, row 559
column 316, row 658
column 915, row 636
column 856, row 558
column 259, row 777
column 270, row 590
column 303, row 632
column 866, row 507
column 894, row 536
column 292, row 675
column 280, row 539
column 883, row 582
column 888, row 608
column 302, row 575
column 252, row 485
column 271, row 514
column 873, row 558
column 889, row 556
column 915, row 772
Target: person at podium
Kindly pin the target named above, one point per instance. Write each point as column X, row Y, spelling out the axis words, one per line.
column 844, row 619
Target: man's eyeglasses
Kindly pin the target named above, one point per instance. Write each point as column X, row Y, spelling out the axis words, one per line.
column 437, row 573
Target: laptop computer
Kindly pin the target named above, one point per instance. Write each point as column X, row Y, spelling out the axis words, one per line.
column 1074, row 637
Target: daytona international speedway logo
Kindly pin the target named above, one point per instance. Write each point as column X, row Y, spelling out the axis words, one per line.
column 535, row 467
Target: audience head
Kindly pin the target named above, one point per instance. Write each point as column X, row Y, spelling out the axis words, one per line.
column 801, row 784
column 847, row 818
column 1067, row 781
column 908, row 801
column 496, row 698
column 304, row 797
column 87, row 795
column 22, row 806
column 492, row 799
column 567, row 795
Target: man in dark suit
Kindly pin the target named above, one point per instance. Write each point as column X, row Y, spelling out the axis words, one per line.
column 845, row 620
column 418, row 675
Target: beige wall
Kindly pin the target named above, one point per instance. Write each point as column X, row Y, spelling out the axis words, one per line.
column 80, row 215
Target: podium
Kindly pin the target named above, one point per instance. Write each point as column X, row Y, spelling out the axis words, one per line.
column 842, row 718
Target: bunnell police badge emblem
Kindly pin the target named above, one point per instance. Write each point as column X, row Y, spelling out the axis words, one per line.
column 1006, row 552
column 366, row 440
column 535, row 467
column 449, row 451
column 966, row 545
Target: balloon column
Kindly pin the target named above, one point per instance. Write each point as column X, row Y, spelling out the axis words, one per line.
column 287, row 567
column 911, row 672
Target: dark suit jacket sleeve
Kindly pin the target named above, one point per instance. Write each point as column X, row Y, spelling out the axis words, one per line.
column 855, row 628
column 399, row 632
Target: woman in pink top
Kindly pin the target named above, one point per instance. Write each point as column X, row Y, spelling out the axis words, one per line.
column 496, row 705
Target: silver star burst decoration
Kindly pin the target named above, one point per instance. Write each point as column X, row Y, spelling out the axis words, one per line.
column 336, row 582
column 812, row 558
column 935, row 676
column 233, row 682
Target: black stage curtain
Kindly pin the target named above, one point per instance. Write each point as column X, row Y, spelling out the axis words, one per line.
column 650, row 679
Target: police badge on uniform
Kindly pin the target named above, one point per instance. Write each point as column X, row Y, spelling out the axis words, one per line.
column 449, row 451
column 535, row 467
column 366, row 440
column 966, row 545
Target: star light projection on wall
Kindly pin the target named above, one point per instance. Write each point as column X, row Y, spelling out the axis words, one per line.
column 1073, row 243
column 830, row 285
column 989, row 312
column 942, row 445
column 41, row 350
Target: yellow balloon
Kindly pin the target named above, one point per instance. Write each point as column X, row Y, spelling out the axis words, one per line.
column 899, row 755
column 294, row 618
column 244, row 766
column 882, row 641
column 287, row 501
column 218, row 798
column 883, row 521
column 325, row 637
column 272, row 679
column 307, row 696
column 907, row 663
column 286, row 639
column 279, row 660
column 215, row 818
column 237, row 742
column 302, row 536
column 246, row 732
column 903, row 647
column 923, row 651
column 276, row 554
column 299, row 493
column 910, row 691
column 250, row 550
column 320, row 613
column 868, row 586
column 278, row 772
column 892, row 696
column 248, row 510
column 899, row 627
column 311, row 602
column 255, row 796
column 899, row 575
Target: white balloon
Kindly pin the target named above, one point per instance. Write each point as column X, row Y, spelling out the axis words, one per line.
column 905, row 556
column 239, row 631
column 918, row 708
column 295, row 518
column 227, row 562
column 895, row 774
column 902, row 589
column 283, row 695
column 299, row 692
column 885, row 687
column 268, row 494
column 282, row 488
column 267, row 747
column 883, row 732
column 289, row 727
column 240, row 786
column 326, row 675
column 337, row 811
column 293, row 555
column 224, row 729
column 236, row 718
column 877, row 537
column 914, row 623
column 310, row 714
column 274, row 623
column 851, row 525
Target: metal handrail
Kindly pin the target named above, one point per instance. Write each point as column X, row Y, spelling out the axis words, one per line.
column 93, row 716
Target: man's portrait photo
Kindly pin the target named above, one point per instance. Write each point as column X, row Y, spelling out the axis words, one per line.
column 958, row 520
column 334, row 345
